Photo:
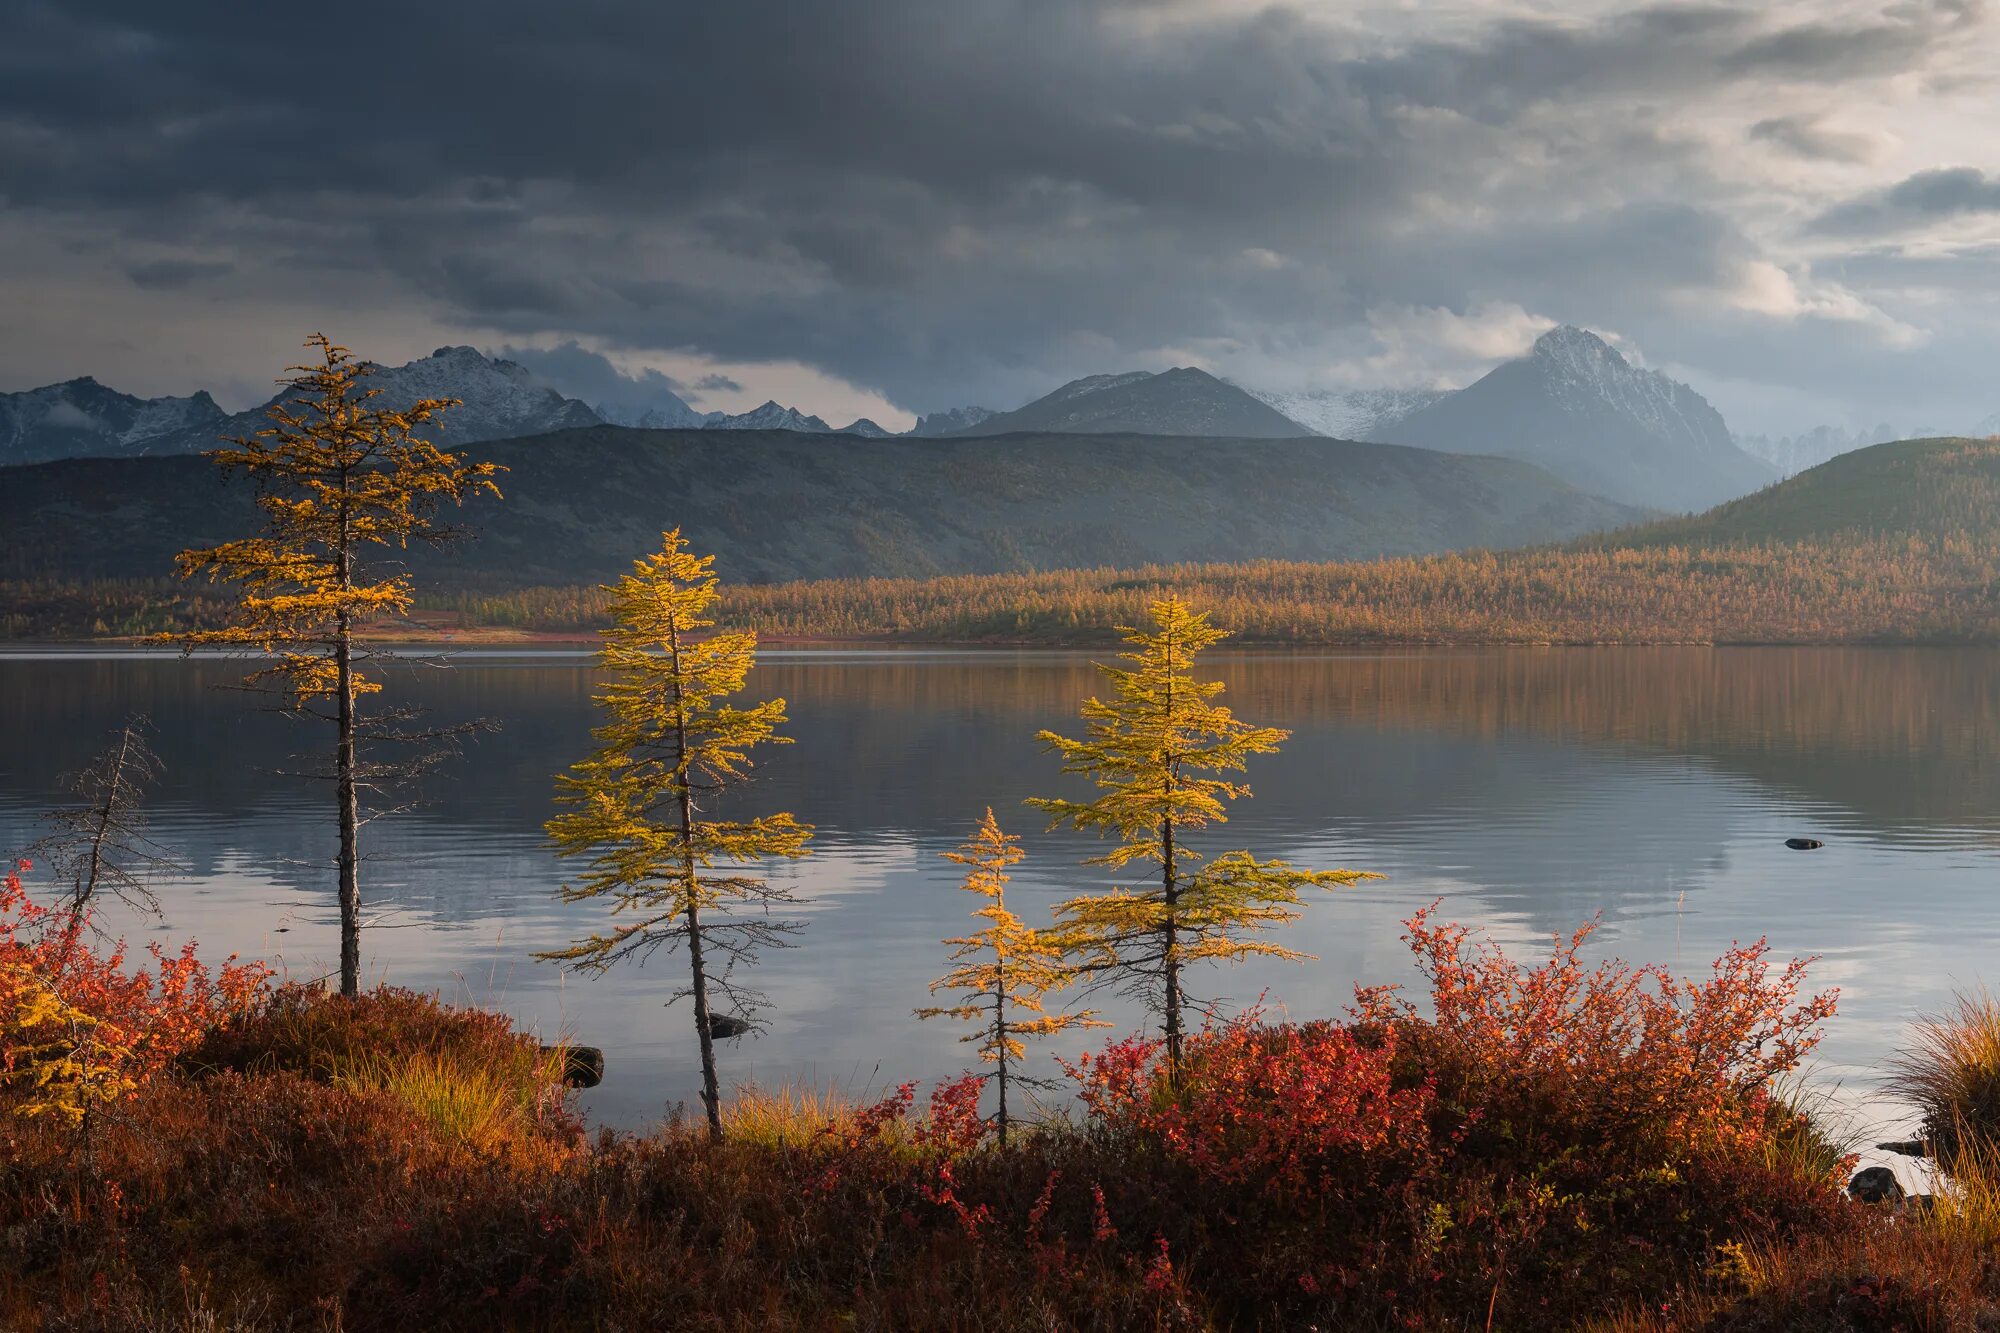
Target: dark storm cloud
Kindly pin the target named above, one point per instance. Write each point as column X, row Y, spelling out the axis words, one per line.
column 581, row 373
column 1916, row 201
column 948, row 199
column 172, row 274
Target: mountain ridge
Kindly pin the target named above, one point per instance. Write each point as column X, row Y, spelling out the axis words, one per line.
column 1183, row 401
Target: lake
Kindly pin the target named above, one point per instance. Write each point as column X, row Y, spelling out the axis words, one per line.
column 1527, row 788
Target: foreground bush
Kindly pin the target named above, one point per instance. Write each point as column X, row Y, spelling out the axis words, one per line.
column 1541, row 1145
column 78, row 1030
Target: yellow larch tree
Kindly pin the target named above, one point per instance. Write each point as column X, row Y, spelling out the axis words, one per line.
column 340, row 480
column 1006, row 970
column 640, row 809
column 1163, row 755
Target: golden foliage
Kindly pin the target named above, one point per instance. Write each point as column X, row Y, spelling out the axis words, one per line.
column 336, row 476
column 1163, row 754
column 1018, row 965
column 637, row 810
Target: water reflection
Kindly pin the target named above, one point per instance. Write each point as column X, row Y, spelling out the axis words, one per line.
column 1528, row 788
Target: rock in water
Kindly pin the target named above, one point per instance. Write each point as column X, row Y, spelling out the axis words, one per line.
column 1804, row 844
column 583, row 1066
column 1906, row 1148
column 1875, row 1184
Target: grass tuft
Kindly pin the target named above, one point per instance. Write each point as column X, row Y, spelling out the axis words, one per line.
column 1952, row 1074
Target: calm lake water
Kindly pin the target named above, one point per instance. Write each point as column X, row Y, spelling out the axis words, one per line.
column 1527, row 788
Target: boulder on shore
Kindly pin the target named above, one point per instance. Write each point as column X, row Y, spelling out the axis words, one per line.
column 1875, row 1184
column 583, row 1066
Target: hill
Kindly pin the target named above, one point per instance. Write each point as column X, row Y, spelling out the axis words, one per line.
column 1183, row 401
column 779, row 505
column 1899, row 543
column 1929, row 488
column 1578, row 408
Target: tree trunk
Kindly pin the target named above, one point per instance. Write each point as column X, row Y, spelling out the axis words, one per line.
column 346, row 796
column 1170, row 960
column 112, row 792
column 1000, row 1030
column 711, row 1092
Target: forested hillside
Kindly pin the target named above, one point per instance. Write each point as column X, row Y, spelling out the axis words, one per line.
column 1928, row 488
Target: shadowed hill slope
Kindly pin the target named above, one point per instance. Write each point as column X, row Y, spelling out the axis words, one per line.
column 773, row 505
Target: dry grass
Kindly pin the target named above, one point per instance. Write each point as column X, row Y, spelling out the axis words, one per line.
column 1952, row 1074
column 788, row 1117
column 484, row 1103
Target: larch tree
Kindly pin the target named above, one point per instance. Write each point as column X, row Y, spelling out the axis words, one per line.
column 641, row 809
column 341, row 481
column 1163, row 754
column 97, row 842
column 1006, row 970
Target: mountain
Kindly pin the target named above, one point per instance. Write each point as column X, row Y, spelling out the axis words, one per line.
column 947, row 423
column 863, row 426
column 1924, row 489
column 1183, row 401
column 500, row 398
column 1791, row 454
column 581, row 504
column 661, row 410
column 81, row 417
column 1349, row 414
column 770, row 416
column 1576, row 407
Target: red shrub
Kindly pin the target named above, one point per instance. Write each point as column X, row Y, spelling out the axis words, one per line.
column 76, row 1028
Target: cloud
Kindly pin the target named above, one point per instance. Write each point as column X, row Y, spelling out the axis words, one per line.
column 936, row 202
column 1916, row 201
column 577, row 372
column 713, row 383
column 1808, row 137
column 174, row 274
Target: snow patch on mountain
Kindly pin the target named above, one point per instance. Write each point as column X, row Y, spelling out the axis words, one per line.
column 497, row 398
column 770, row 416
column 1347, row 414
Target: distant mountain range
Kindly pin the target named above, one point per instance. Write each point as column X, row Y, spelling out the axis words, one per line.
column 81, row 418
column 1792, row 454
column 500, row 399
column 580, row 504
column 1573, row 405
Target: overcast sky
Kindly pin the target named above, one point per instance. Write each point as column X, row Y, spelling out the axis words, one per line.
column 885, row 206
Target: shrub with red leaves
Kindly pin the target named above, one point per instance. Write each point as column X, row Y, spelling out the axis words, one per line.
column 76, row 1028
